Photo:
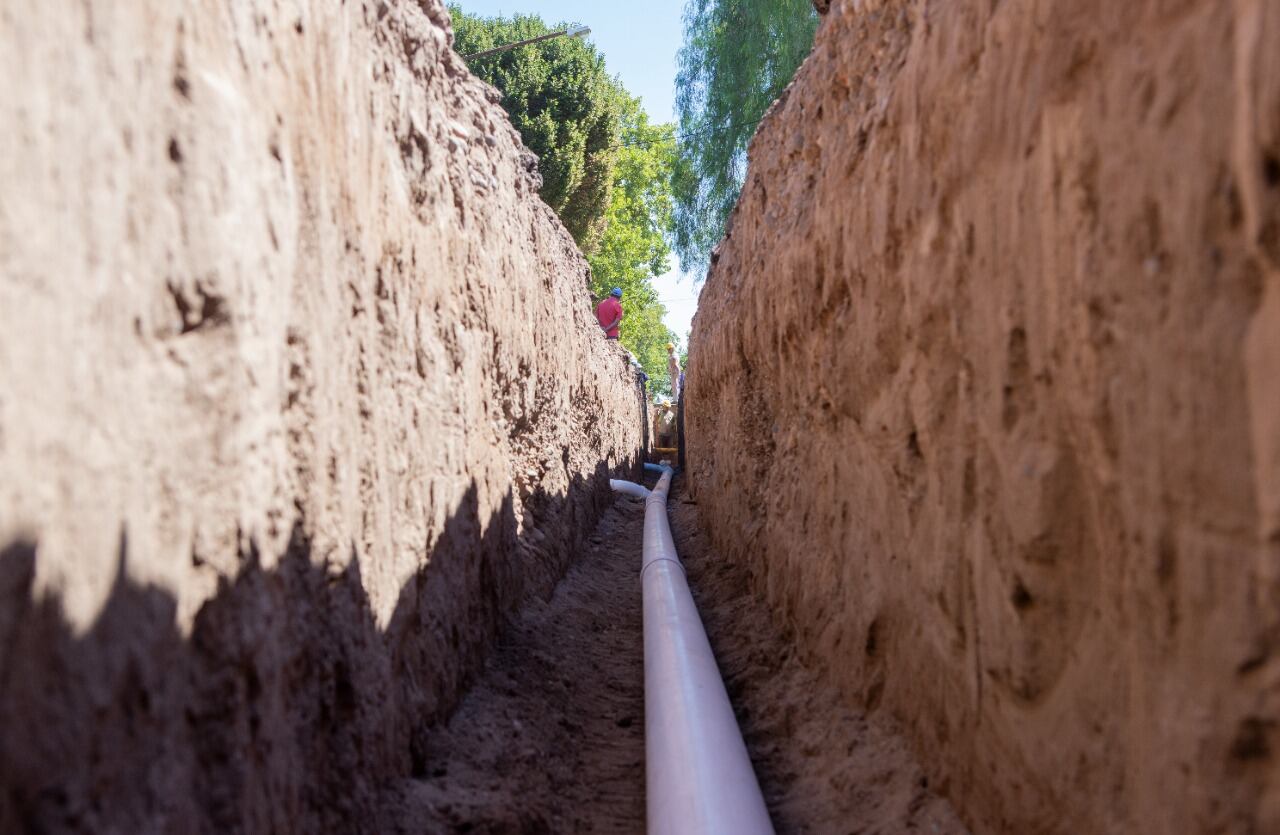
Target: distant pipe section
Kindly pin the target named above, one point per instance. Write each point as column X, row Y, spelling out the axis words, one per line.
column 699, row 779
column 630, row 488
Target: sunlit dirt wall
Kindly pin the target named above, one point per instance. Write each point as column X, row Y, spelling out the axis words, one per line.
column 300, row 394
column 985, row 385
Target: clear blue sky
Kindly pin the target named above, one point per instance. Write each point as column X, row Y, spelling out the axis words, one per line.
column 639, row 43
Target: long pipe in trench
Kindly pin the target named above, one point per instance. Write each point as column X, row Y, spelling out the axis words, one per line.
column 697, row 773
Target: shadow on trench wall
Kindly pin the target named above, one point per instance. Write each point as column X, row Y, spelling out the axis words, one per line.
column 286, row 708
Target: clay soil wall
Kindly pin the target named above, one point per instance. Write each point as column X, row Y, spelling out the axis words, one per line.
column 300, row 395
column 985, row 386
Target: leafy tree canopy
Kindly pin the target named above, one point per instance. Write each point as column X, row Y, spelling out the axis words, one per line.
column 607, row 171
column 737, row 57
column 563, row 104
column 635, row 245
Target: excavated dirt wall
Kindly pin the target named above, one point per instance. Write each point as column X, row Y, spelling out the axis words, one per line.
column 300, row 395
column 984, row 385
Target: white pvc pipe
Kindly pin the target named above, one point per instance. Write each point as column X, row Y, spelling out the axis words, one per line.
column 630, row 488
column 698, row 774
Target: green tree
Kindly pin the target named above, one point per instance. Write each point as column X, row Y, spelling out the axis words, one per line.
column 737, row 57
column 606, row 170
column 562, row 102
column 635, row 246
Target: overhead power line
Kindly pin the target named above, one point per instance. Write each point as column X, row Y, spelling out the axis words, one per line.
column 679, row 136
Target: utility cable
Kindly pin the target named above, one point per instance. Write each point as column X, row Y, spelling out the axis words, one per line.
column 679, row 136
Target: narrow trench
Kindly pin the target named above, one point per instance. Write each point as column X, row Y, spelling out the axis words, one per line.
column 551, row 737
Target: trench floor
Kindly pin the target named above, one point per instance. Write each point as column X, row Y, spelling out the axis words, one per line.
column 551, row 737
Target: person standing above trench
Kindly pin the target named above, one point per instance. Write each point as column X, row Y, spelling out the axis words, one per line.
column 673, row 370
column 609, row 313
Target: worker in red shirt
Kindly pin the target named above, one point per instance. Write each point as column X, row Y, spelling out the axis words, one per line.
column 609, row 313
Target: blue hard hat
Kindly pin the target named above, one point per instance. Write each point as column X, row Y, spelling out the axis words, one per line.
column 617, row 291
